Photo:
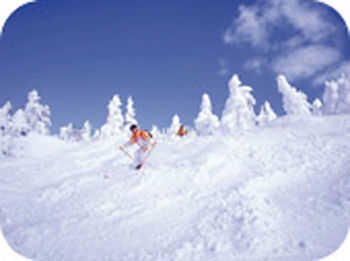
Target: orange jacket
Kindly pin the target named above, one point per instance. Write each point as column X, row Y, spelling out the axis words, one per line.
column 141, row 138
column 181, row 132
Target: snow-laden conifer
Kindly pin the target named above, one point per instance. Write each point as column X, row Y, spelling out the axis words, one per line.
column 20, row 124
column 238, row 113
column 336, row 97
column 37, row 115
column 66, row 132
column 294, row 101
column 130, row 113
column 156, row 133
column 86, row 131
column 206, row 122
column 5, row 119
column 175, row 125
column 115, row 120
column 266, row 114
column 316, row 107
column 74, row 134
column 331, row 98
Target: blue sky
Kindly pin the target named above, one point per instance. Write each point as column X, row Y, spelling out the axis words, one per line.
column 165, row 54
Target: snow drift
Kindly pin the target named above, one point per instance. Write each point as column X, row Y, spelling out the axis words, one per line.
column 277, row 192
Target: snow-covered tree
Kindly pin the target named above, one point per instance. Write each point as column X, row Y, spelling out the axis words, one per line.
column 37, row 115
column 206, row 122
column 156, row 133
column 175, row 125
column 5, row 128
column 266, row 114
column 330, row 98
column 316, row 107
column 336, row 97
column 20, row 124
column 115, row 120
column 65, row 132
column 130, row 113
column 71, row 133
column 239, row 108
column 294, row 101
column 86, row 131
column 14, row 128
column 5, row 118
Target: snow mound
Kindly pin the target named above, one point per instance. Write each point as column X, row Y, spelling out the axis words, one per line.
column 278, row 192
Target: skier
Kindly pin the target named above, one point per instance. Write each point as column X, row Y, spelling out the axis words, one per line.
column 182, row 131
column 143, row 140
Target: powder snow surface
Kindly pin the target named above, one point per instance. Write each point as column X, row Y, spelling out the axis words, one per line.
column 278, row 193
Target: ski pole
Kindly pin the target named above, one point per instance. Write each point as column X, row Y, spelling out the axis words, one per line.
column 126, row 153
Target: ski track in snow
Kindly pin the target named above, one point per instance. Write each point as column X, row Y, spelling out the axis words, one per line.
column 275, row 193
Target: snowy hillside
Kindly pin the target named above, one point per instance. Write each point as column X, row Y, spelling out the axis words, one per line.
column 278, row 192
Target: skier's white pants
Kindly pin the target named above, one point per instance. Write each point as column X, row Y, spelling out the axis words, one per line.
column 140, row 155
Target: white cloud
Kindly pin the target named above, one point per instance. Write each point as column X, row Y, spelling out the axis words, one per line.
column 255, row 65
column 256, row 24
column 305, row 62
column 248, row 27
column 309, row 21
column 292, row 34
column 293, row 42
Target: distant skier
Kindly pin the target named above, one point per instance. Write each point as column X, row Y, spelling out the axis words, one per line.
column 182, row 131
column 143, row 140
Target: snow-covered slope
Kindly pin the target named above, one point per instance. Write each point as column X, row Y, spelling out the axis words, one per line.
column 279, row 192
